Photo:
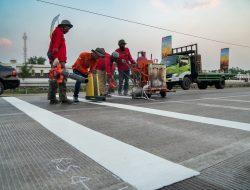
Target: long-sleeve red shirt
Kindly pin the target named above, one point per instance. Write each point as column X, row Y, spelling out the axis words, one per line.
column 127, row 57
column 57, row 45
column 105, row 64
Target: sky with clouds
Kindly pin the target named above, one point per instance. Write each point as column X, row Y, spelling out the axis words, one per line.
column 223, row 20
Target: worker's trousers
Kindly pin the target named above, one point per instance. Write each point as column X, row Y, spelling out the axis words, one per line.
column 53, row 86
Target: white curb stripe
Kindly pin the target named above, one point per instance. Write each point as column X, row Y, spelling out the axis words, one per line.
column 141, row 169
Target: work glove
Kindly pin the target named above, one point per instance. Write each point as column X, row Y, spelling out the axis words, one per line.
column 133, row 62
column 123, row 61
column 55, row 62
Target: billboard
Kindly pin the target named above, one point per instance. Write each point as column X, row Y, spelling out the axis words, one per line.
column 166, row 47
column 224, row 59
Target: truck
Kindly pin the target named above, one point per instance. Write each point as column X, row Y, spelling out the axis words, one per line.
column 184, row 67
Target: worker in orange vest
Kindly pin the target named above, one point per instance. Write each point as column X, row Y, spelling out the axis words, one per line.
column 85, row 64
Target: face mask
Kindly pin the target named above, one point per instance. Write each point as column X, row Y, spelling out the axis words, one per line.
column 122, row 48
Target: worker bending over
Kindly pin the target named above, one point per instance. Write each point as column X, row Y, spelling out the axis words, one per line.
column 105, row 70
column 85, row 64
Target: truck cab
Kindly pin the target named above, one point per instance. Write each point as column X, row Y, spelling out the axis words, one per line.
column 177, row 65
column 182, row 66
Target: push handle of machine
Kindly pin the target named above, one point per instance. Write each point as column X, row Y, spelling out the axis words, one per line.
column 58, row 73
column 74, row 76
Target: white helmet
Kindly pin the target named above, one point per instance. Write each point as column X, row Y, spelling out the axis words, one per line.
column 115, row 55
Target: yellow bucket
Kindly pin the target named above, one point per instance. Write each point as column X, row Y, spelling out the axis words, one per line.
column 93, row 89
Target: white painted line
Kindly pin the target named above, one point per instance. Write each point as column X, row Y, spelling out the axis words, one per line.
column 230, row 100
column 190, row 100
column 221, row 106
column 141, row 169
column 182, row 116
column 118, row 96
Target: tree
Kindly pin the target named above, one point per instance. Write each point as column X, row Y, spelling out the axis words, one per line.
column 36, row 60
column 26, row 70
column 236, row 70
column 41, row 61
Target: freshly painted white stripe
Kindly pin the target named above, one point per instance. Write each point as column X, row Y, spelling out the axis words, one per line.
column 118, row 96
column 182, row 116
column 221, row 106
column 189, row 100
column 141, row 169
column 230, row 100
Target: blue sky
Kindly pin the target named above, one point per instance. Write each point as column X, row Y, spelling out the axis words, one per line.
column 224, row 20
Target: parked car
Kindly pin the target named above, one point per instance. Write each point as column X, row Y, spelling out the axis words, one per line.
column 8, row 78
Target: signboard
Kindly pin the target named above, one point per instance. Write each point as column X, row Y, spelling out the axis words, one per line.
column 166, row 48
column 224, row 59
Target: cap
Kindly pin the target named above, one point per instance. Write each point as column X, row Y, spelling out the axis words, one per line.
column 115, row 55
column 121, row 42
column 66, row 23
column 100, row 52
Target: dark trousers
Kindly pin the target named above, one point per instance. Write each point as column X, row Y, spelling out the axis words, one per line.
column 53, row 86
column 78, row 84
column 123, row 76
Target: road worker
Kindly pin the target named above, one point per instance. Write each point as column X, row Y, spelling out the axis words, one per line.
column 85, row 64
column 123, row 67
column 105, row 71
column 57, row 55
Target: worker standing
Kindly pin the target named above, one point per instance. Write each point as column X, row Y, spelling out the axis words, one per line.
column 57, row 55
column 123, row 67
column 85, row 64
column 104, row 70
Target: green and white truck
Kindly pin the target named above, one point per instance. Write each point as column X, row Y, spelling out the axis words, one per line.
column 183, row 67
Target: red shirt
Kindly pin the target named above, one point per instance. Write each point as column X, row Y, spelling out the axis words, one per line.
column 105, row 64
column 57, row 45
column 84, row 63
column 127, row 57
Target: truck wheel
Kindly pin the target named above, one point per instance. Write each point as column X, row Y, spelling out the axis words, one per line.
column 186, row 83
column 220, row 84
column 202, row 85
column 169, row 86
column 163, row 94
column 1, row 88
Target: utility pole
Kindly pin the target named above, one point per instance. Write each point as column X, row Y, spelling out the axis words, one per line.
column 25, row 47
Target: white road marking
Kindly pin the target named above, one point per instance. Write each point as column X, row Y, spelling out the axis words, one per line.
column 118, row 96
column 221, row 106
column 190, row 100
column 182, row 116
column 141, row 169
column 230, row 100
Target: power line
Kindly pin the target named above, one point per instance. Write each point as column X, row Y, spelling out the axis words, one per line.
column 143, row 24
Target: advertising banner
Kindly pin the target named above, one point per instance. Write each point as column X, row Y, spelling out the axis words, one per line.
column 224, row 59
column 166, row 48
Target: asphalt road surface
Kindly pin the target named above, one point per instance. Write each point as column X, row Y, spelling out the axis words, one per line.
column 196, row 139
